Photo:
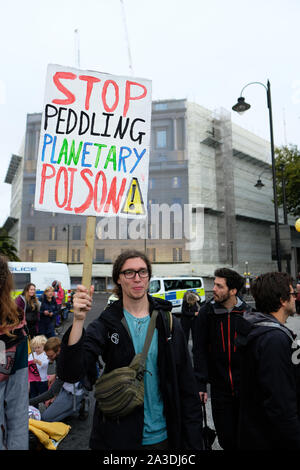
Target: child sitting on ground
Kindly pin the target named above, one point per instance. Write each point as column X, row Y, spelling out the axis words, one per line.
column 41, row 361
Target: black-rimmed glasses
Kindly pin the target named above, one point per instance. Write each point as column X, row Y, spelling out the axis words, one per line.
column 294, row 293
column 131, row 273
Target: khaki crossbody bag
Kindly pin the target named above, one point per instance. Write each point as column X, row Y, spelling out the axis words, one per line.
column 120, row 391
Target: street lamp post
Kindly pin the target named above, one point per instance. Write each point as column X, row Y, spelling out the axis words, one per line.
column 241, row 106
column 285, row 213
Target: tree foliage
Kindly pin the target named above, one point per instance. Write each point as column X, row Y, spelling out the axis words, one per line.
column 7, row 246
column 287, row 165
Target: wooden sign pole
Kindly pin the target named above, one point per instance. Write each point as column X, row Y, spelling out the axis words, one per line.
column 88, row 251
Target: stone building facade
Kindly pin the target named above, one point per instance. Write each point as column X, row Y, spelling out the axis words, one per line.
column 204, row 210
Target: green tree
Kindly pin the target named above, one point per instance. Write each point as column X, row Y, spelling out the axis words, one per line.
column 7, row 246
column 288, row 166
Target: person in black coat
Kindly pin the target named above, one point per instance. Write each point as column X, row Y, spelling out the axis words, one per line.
column 48, row 313
column 171, row 417
column 269, row 417
column 189, row 310
column 216, row 359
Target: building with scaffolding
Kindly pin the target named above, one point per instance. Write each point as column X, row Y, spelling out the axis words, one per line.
column 204, row 210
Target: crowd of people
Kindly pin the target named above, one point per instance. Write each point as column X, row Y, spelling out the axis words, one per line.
column 245, row 357
column 28, row 344
column 42, row 314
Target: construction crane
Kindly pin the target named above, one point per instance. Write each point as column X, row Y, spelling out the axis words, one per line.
column 127, row 37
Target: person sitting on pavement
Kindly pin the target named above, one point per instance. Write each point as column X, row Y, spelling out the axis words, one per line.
column 63, row 399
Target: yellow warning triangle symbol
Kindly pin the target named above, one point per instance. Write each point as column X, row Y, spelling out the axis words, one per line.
column 134, row 203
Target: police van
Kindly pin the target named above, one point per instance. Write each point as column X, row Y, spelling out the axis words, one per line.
column 174, row 288
column 40, row 274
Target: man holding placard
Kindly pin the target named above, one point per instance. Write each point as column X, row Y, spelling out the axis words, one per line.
column 94, row 144
column 170, row 417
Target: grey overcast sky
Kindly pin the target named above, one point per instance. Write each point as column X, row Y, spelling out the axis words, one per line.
column 205, row 51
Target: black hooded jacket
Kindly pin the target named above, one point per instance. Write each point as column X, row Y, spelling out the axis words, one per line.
column 108, row 338
column 216, row 359
column 268, row 417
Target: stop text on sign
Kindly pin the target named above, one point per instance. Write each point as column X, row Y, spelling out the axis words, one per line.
column 94, row 143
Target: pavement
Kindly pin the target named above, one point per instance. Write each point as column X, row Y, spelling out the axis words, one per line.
column 78, row 437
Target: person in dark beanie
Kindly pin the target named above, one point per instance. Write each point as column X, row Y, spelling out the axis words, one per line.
column 216, row 360
column 269, row 417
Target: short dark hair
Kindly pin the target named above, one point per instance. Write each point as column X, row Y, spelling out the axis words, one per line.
column 233, row 279
column 53, row 344
column 119, row 263
column 269, row 289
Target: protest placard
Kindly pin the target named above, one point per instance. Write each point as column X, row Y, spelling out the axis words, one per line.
column 93, row 155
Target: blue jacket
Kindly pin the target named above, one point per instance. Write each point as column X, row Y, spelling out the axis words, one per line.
column 50, row 306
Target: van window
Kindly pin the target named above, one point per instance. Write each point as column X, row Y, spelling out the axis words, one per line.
column 172, row 284
column 154, row 286
column 191, row 283
column 20, row 280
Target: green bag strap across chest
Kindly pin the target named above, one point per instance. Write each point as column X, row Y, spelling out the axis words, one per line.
column 149, row 335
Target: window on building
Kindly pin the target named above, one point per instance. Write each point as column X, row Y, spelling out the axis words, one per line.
column 161, row 138
column 176, row 182
column 151, row 253
column 30, row 233
column 160, row 106
column 150, row 202
column 177, row 254
column 151, row 183
column 76, row 232
column 99, row 255
column 29, row 255
column 180, row 133
column 51, row 255
column 76, row 255
column 53, row 233
column 177, row 200
column 32, row 143
column 30, row 209
column 31, row 188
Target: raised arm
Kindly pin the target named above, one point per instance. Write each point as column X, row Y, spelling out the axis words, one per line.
column 82, row 304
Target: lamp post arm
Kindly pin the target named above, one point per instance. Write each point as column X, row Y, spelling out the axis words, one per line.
column 253, row 83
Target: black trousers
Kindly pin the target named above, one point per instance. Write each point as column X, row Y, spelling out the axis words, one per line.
column 225, row 412
column 187, row 324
